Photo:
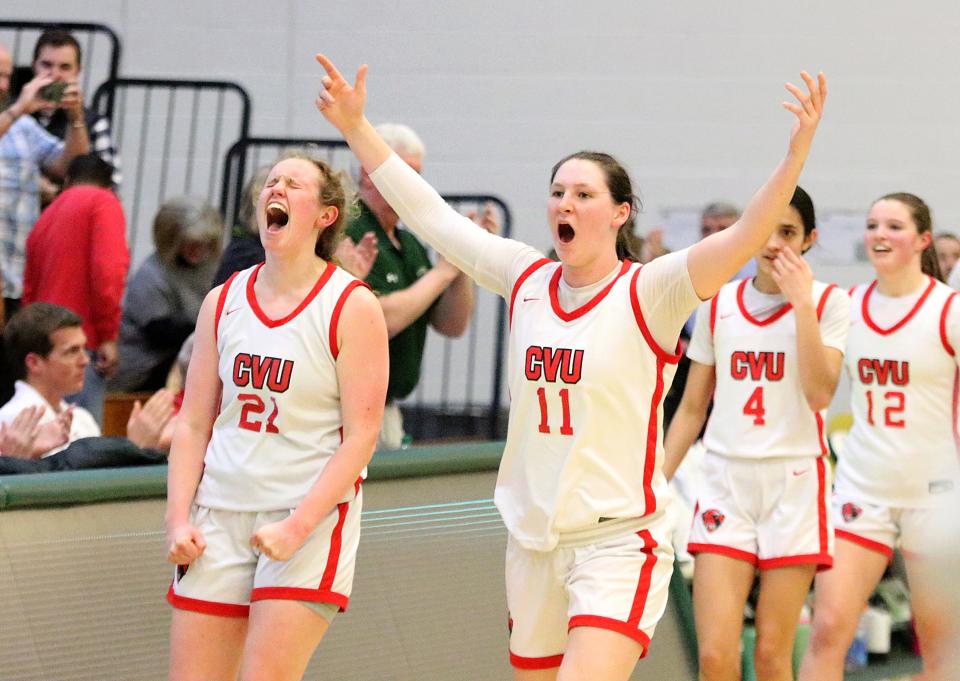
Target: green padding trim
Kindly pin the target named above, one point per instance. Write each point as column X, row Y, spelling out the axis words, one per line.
column 141, row 482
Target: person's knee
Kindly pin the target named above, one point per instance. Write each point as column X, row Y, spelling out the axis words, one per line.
column 832, row 629
column 771, row 661
column 719, row 661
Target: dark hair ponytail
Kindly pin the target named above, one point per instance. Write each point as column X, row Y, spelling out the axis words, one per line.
column 922, row 218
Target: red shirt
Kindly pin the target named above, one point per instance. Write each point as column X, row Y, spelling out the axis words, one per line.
column 77, row 257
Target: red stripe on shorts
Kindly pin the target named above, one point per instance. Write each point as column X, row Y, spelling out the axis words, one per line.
column 866, row 543
column 521, row 662
column 646, row 574
column 336, row 540
column 206, row 607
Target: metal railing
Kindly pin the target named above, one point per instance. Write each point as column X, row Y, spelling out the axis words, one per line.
column 171, row 134
column 459, row 392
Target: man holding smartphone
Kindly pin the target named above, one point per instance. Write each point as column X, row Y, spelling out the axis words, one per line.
column 25, row 150
column 57, row 54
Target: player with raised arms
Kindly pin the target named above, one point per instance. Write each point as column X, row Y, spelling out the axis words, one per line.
column 592, row 349
column 284, row 397
column 898, row 471
column 768, row 351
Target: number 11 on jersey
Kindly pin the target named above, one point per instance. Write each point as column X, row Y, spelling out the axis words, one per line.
column 565, row 427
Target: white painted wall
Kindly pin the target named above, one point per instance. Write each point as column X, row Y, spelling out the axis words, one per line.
column 686, row 94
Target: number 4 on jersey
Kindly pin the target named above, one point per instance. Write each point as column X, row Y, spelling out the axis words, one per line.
column 754, row 406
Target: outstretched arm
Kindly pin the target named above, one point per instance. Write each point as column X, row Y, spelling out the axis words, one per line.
column 714, row 260
column 488, row 259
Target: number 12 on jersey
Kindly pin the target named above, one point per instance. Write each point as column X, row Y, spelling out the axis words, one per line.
column 565, row 427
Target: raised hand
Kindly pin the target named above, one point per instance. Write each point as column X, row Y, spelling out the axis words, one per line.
column 72, row 102
column 146, row 423
column 54, row 433
column 487, row 218
column 794, row 277
column 808, row 110
column 30, row 99
column 357, row 259
column 341, row 103
column 17, row 438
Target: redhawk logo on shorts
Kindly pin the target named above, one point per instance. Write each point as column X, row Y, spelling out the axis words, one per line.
column 712, row 519
column 850, row 512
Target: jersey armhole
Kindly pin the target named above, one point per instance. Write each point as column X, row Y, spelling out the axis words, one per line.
column 943, row 325
column 221, row 302
column 337, row 309
column 520, row 281
column 642, row 324
column 713, row 313
column 823, row 300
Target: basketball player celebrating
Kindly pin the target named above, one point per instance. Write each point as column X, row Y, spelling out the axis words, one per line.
column 898, row 472
column 768, row 351
column 592, row 350
column 283, row 403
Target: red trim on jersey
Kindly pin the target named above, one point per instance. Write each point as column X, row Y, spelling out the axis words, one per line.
column 590, row 304
column 851, row 290
column 273, row 323
column 823, row 300
column 753, row 320
column 653, row 432
column 206, row 607
column 943, row 324
column 822, row 518
column 358, row 481
column 865, row 308
column 643, row 582
column 519, row 282
column 335, row 317
column 221, row 301
column 821, row 437
column 865, row 543
column 535, row 662
column 662, row 354
column 333, row 558
column 612, row 625
column 713, row 314
column 290, row 593
column 821, row 560
column 693, row 548
column 956, row 408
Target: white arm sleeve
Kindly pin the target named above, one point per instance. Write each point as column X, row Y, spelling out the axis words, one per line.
column 701, row 342
column 492, row 261
column 835, row 321
column 667, row 297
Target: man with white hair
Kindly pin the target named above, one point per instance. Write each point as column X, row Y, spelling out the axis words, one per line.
column 412, row 292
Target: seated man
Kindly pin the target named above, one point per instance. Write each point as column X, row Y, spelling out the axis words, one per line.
column 46, row 347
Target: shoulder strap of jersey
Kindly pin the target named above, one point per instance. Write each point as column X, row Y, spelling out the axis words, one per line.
column 337, row 309
column 943, row 324
column 823, row 300
column 221, row 301
column 520, row 280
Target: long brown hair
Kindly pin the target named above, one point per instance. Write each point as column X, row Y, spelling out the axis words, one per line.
column 621, row 191
column 923, row 219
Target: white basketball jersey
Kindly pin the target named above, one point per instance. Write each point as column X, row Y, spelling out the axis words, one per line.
column 759, row 409
column 902, row 450
column 587, row 387
column 280, row 419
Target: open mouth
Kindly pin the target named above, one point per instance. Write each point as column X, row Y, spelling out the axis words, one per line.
column 565, row 233
column 277, row 216
column 881, row 249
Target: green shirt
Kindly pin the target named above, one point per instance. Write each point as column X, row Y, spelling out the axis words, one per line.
column 394, row 270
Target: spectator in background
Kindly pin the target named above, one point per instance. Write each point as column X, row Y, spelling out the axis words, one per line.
column 947, row 246
column 46, row 347
column 412, row 292
column 164, row 295
column 77, row 257
column 57, row 55
column 25, row 150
